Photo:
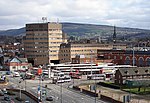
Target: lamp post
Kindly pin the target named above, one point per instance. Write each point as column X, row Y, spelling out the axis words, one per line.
column 133, row 56
column 95, row 88
column 61, row 93
column 20, row 90
column 49, row 67
column 91, row 62
column 24, row 79
column 39, row 90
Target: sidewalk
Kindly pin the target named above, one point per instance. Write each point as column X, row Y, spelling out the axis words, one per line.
column 118, row 94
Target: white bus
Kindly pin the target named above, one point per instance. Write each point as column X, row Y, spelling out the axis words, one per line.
column 62, row 79
column 96, row 76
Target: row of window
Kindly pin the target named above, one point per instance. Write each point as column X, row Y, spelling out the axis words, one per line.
column 66, row 59
column 45, row 43
column 54, row 46
column 33, row 56
column 36, row 29
column 37, row 47
column 36, row 38
column 75, row 50
column 140, row 61
column 40, row 34
column 55, row 38
column 55, row 42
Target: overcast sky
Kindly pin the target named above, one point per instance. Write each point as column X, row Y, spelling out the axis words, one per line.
column 124, row 13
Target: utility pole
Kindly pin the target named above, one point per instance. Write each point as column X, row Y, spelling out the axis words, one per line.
column 133, row 56
column 61, row 93
column 95, row 88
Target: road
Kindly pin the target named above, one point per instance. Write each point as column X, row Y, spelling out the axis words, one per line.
column 60, row 92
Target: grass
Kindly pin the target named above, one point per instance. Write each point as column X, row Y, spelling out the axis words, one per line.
column 135, row 90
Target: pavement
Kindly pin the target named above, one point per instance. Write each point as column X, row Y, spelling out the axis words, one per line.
column 118, row 94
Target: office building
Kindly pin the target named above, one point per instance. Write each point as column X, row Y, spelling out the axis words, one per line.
column 89, row 50
column 42, row 42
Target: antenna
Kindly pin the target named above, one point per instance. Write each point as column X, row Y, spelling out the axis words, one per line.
column 44, row 19
column 57, row 20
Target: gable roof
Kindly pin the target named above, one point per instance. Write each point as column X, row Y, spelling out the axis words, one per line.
column 17, row 59
column 134, row 71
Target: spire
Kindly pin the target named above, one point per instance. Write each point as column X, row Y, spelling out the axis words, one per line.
column 114, row 35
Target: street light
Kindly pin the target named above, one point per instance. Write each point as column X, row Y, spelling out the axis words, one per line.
column 95, row 88
column 49, row 67
column 20, row 89
column 91, row 62
column 61, row 93
column 133, row 56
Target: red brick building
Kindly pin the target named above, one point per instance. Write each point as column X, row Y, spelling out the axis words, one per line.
column 141, row 58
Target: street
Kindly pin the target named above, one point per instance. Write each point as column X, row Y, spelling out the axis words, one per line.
column 60, row 92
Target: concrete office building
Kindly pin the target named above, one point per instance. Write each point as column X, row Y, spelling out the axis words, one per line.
column 89, row 50
column 43, row 41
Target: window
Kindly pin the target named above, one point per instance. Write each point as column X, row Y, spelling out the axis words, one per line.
column 120, row 57
column 127, row 60
column 23, row 66
column 141, row 61
column 148, row 62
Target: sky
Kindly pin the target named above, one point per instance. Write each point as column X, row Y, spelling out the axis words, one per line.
column 122, row 13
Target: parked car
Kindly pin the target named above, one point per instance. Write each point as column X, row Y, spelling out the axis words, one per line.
column 1, row 93
column 27, row 101
column 50, row 98
column 4, row 91
column 67, row 78
column 7, row 98
column 16, row 74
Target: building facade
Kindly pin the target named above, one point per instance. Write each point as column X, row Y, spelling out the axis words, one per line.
column 132, row 74
column 89, row 50
column 17, row 64
column 42, row 42
column 141, row 58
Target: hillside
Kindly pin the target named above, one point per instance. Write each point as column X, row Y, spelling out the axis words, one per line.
column 89, row 30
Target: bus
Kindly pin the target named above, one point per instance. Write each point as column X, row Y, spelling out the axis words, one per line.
column 96, row 76
column 62, row 79
column 75, row 75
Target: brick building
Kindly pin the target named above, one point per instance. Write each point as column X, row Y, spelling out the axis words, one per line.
column 141, row 58
column 134, row 74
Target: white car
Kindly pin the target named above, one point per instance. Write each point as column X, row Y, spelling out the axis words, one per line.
column 60, row 80
column 16, row 74
column 67, row 78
